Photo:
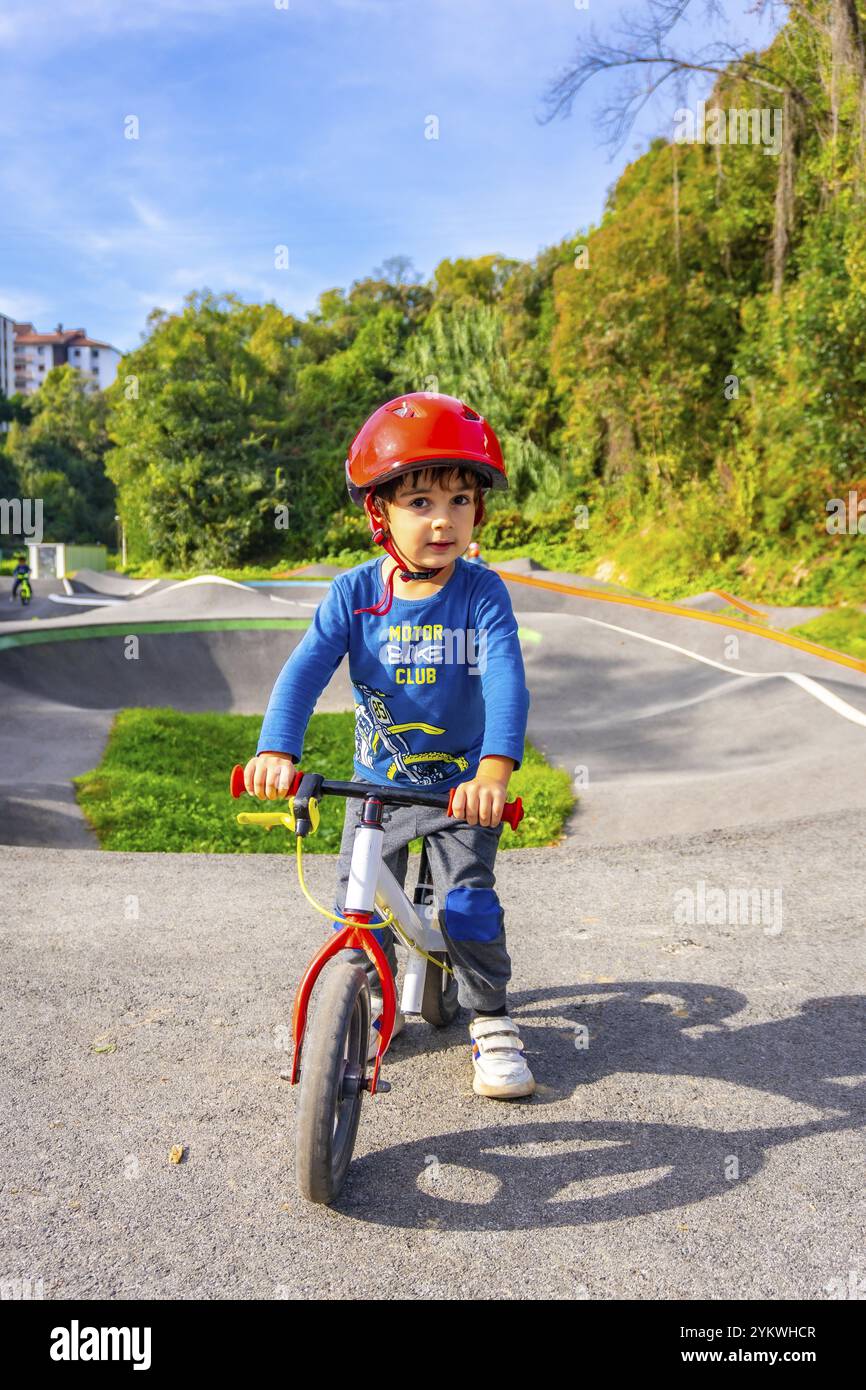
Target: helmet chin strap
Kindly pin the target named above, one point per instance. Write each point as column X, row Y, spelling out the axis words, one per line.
column 404, row 573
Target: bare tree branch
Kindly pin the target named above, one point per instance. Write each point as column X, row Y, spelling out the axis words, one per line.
column 644, row 45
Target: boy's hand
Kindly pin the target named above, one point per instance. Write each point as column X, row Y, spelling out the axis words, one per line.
column 269, row 775
column 480, row 801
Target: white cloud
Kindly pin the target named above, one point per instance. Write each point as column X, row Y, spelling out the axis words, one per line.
column 147, row 215
column 22, row 23
column 24, row 305
column 222, row 277
column 94, row 243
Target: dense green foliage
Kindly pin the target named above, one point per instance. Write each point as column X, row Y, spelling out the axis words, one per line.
column 55, row 449
column 691, row 370
column 843, row 631
column 162, row 785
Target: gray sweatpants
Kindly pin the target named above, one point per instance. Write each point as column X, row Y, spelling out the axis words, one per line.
column 471, row 917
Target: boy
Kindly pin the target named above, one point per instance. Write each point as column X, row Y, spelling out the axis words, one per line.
column 440, row 689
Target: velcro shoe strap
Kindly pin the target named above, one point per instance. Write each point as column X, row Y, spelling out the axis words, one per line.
column 496, row 1035
column 480, row 1026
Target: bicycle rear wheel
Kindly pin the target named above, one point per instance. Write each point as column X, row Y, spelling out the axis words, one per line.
column 333, row 1064
column 439, row 1003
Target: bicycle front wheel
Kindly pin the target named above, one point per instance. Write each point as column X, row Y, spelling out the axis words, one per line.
column 333, row 1065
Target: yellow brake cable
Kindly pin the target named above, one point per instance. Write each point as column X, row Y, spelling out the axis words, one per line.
column 389, row 921
column 270, row 818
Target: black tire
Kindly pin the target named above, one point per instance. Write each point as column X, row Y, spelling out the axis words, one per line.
column 439, row 1004
column 333, row 1067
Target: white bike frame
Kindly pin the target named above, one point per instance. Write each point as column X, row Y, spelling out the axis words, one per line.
column 372, row 885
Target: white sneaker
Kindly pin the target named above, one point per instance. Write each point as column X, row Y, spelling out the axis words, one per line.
column 375, row 1018
column 497, row 1056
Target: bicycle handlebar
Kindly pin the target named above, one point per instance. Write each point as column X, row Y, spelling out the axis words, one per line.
column 512, row 811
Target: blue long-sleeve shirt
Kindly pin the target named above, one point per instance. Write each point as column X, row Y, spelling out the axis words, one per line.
column 439, row 681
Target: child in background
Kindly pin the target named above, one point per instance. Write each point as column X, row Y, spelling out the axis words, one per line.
column 424, row 717
column 21, row 571
column 474, row 555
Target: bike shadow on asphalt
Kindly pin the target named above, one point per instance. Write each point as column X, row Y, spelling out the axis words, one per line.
column 526, row 1171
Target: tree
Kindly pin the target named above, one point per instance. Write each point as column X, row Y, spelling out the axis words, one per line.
column 239, row 410
column 645, row 46
column 60, row 456
column 397, row 270
column 15, row 407
column 478, row 281
column 196, row 456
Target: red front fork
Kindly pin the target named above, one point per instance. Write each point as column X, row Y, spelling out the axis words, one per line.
column 350, row 938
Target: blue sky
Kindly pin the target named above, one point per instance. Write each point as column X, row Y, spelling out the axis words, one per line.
column 286, row 122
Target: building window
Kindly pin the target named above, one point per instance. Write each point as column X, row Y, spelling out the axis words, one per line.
column 94, row 352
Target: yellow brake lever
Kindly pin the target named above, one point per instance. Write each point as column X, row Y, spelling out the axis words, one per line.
column 268, row 819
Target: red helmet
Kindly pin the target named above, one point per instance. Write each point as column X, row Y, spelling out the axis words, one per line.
column 417, row 431
column 421, row 430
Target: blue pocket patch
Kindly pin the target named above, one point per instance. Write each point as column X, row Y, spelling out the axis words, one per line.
column 473, row 914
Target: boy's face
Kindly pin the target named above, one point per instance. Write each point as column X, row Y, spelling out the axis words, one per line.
column 431, row 520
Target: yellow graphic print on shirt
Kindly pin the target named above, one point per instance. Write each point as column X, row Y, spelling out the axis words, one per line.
column 374, row 726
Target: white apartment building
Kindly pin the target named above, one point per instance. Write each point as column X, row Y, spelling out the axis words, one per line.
column 36, row 353
column 7, row 355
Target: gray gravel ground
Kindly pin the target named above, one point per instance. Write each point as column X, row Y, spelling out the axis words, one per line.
column 708, row 1142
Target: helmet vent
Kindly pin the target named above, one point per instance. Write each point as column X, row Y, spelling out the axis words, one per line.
column 406, row 411
column 470, row 414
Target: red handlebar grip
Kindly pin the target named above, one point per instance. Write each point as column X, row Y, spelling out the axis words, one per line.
column 237, row 788
column 512, row 811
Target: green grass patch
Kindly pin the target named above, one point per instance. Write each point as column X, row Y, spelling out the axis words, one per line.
column 844, row 630
column 162, row 786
